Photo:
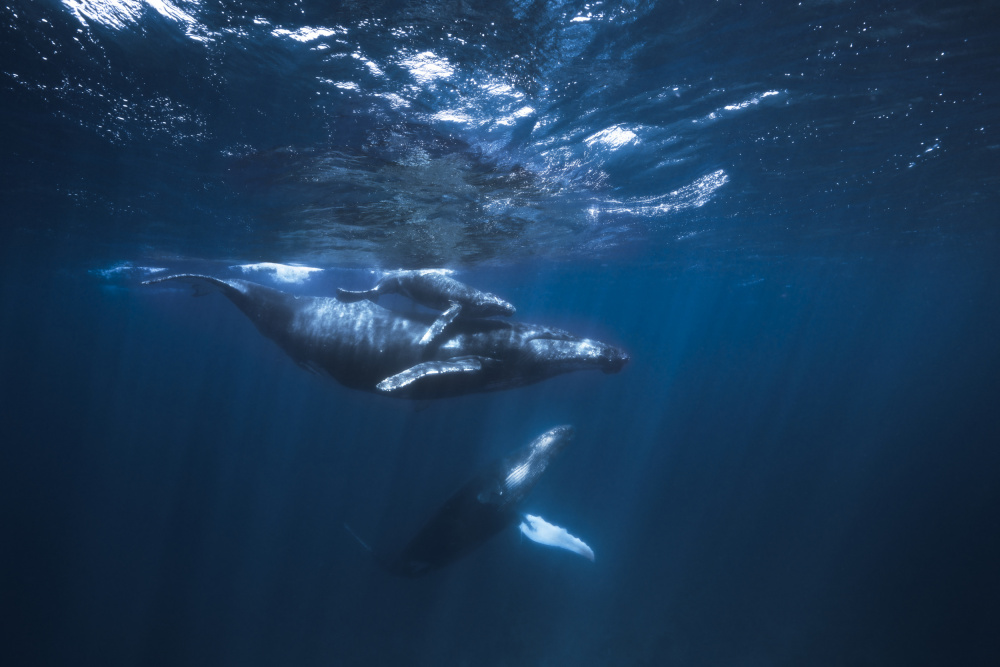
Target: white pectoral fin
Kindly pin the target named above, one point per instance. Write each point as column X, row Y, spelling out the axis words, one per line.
column 537, row 529
column 441, row 323
column 429, row 371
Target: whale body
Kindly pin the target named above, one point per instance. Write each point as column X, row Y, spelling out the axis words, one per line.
column 365, row 346
column 435, row 289
column 481, row 508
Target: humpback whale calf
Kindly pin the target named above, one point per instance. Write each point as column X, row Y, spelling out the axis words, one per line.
column 365, row 346
column 481, row 508
column 435, row 289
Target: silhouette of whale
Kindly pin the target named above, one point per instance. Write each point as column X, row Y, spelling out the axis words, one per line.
column 480, row 509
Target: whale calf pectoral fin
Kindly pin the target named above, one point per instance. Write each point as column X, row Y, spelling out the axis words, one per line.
column 435, row 330
column 429, row 371
column 349, row 296
column 537, row 529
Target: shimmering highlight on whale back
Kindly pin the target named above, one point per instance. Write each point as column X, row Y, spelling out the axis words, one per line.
column 525, row 466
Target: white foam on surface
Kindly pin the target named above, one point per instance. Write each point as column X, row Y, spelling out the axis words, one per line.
column 428, row 67
column 282, row 273
column 308, row 34
column 124, row 14
column 126, row 269
column 613, row 137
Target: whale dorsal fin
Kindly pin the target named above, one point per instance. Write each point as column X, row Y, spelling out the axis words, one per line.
column 428, row 371
column 435, row 330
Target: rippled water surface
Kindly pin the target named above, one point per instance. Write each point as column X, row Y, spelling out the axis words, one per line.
column 463, row 133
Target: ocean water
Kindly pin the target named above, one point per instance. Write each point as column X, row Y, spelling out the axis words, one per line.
column 786, row 212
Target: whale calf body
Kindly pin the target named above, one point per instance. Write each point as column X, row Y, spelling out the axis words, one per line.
column 435, row 289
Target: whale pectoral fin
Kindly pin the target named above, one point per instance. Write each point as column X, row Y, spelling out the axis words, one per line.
column 537, row 529
column 435, row 330
column 427, row 372
column 349, row 296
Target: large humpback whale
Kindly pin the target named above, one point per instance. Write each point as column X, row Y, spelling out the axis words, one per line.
column 365, row 346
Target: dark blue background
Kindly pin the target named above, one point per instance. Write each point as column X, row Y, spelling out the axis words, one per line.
column 800, row 469
column 800, row 464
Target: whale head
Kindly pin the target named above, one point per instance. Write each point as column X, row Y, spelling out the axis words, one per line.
column 523, row 468
column 552, row 442
column 563, row 355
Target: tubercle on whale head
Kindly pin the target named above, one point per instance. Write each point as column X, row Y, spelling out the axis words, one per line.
column 499, row 306
column 614, row 359
column 608, row 358
column 578, row 354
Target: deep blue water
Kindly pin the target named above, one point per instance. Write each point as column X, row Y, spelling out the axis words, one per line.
column 786, row 212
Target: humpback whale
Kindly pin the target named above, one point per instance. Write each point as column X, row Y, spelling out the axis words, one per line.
column 365, row 346
column 481, row 508
column 435, row 289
